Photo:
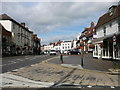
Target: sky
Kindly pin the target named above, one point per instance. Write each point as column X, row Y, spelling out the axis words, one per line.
column 53, row 21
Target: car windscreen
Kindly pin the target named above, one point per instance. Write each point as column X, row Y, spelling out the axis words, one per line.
column 52, row 50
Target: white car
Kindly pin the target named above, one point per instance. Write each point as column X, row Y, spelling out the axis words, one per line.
column 46, row 52
column 65, row 52
column 52, row 52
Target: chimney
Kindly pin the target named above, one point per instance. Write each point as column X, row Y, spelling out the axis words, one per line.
column 112, row 10
column 23, row 24
column 27, row 28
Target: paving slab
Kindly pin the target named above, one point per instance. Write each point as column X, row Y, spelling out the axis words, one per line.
column 9, row 80
column 45, row 72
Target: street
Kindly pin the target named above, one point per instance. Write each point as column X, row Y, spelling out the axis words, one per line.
column 11, row 63
column 49, row 71
column 89, row 62
column 52, row 44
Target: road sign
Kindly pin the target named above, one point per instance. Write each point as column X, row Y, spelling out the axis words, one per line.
column 114, row 39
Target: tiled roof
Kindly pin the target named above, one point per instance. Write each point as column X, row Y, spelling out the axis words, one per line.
column 58, row 43
column 6, row 17
column 90, row 30
column 107, row 18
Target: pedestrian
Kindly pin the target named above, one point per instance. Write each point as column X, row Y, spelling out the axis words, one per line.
column 61, row 58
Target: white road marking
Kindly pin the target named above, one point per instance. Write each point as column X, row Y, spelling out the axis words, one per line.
column 112, row 87
column 32, row 65
column 26, row 58
column 89, row 86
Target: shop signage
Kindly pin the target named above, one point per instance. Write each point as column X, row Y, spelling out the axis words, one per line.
column 84, row 38
column 94, row 36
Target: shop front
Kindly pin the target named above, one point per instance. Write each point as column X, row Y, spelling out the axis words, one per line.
column 111, row 47
column 116, row 47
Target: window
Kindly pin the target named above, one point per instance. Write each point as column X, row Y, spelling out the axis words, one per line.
column 104, row 31
column 119, row 26
column 110, row 24
column 13, row 25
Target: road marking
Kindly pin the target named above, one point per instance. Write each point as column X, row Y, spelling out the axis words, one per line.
column 112, row 87
column 89, row 86
column 26, row 58
column 34, row 58
column 30, row 59
column 12, row 62
column 21, row 60
column 32, row 65
column 21, row 68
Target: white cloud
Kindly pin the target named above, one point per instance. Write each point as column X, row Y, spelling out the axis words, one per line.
column 60, row 37
column 45, row 17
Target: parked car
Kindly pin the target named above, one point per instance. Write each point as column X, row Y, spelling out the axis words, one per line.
column 73, row 52
column 65, row 52
column 52, row 52
column 46, row 52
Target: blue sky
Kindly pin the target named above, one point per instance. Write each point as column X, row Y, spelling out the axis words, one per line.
column 53, row 21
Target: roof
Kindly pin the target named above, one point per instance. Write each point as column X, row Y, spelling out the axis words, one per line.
column 65, row 41
column 90, row 31
column 6, row 17
column 107, row 18
column 58, row 43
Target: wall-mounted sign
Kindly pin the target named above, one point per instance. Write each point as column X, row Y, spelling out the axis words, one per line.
column 94, row 36
column 114, row 39
column 84, row 38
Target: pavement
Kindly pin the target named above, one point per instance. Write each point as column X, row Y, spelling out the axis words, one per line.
column 9, row 80
column 48, row 74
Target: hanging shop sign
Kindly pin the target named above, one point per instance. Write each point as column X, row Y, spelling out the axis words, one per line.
column 114, row 39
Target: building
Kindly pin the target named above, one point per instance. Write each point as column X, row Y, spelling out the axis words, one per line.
column 66, row 45
column 36, row 44
column 74, row 45
column 50, row 46
column 107, row 44
column 5, row 41
column 60, row 46
column 57, row 46
column 85, row 40
column 22, row 37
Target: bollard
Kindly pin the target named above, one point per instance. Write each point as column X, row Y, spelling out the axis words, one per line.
column 61, row 58
column 82, row 61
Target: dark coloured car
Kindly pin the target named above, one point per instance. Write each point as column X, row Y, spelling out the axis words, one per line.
column 73, row 52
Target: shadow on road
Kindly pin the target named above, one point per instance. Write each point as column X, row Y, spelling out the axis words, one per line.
column 63, row 78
